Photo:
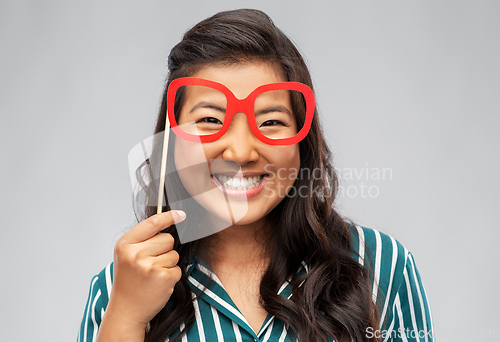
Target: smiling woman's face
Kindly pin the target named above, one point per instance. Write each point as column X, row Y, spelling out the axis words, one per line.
column 248, row 177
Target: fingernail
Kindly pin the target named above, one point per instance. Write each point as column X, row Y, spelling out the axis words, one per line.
column 182, row 215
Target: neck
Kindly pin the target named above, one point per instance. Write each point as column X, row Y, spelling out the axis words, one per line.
column 238, row 245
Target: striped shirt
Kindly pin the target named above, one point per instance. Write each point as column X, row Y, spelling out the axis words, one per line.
column 396, row 285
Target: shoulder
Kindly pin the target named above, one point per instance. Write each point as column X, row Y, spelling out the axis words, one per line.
column 101, row 285
column 397, row 288
column 372, row 246
column 106, row 281
column 97, row 302
column 384, row 257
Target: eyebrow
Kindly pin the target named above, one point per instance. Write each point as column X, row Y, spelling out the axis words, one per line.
column 208, row 105
column 274, row 109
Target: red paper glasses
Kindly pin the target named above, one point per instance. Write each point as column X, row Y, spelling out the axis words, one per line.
column 200, row 110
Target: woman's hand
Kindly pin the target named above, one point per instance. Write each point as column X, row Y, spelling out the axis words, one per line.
column 144, row 274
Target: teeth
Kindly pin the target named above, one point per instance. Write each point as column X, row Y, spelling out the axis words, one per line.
column 236, row 182
column 244, row 182
column 239, row 183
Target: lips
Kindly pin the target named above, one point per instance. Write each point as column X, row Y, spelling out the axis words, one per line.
column 240, row 185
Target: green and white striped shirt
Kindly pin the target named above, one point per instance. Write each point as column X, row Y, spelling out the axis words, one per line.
column 397, row 290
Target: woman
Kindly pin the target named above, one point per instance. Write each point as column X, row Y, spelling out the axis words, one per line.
column 287, row 267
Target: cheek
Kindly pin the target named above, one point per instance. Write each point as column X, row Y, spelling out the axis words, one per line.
column 287, row 163
column 177, row 153
column 289, row 157
column 295, row 157
column 192, row 166
column 189, row 153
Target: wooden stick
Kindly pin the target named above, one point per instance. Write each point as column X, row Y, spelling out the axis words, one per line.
column 163, row 166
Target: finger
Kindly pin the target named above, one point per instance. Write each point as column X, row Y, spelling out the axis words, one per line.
column 172, row 275
column 158, row 244
column 167, row 260
column 153, row 225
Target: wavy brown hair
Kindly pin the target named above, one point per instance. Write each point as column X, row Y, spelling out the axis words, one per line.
column 335, row 297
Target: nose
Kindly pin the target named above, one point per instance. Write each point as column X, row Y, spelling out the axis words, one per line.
column 239, row 143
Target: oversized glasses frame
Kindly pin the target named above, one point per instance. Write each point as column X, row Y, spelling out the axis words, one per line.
column 245, row 106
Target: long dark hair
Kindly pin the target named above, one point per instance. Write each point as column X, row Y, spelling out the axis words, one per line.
column 335, row 297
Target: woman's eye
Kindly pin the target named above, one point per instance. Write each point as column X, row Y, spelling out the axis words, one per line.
column 211, row 120
column 273, row 123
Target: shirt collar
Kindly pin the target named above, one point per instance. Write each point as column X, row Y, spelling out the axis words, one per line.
column 200, row 273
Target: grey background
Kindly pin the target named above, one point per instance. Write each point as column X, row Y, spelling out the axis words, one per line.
column 410, row 86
